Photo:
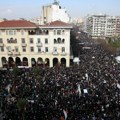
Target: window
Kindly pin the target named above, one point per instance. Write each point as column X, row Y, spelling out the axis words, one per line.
column 14, row 32
column 1, row 49
column 32, row 49
column 22, row 32
column 59, row 40
column 38, row 40
column 9, row 48
column 63, row 49
column 55, row 41
column 6, row 32
column 31, row 40
column 58, row 32
column 1, row 41
column 16, row 49
column 23, row 40
column 39, row 49
column 63, row 32
column 24, row 49
column 46, row 49
column 54, row 32
column 11, row 32
column 55, row 49
column 46, row 41
column 11, row 40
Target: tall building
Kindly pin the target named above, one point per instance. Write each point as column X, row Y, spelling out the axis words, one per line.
column 101, row 25
column 110, row 26
column 96, row 25
column 23, row 43
column 54, row 12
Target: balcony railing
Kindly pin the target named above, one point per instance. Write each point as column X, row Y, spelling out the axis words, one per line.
column 13, row 54
column 63, row 53
column 23, row 44
column 55, row 53
column 16, row 53
column 39, row 44
column 9, row 53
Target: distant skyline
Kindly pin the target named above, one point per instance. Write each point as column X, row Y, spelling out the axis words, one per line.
column 15, row 9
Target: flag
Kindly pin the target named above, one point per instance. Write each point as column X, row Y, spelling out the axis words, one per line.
column 79, row 90
column 8, row 87
column 118, row 85
column 56, row 102
column 85, row 91
column 86, row 75
column 65, row 114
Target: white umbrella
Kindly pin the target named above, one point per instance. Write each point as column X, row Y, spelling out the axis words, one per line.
column 76, row 60
column 118, row 59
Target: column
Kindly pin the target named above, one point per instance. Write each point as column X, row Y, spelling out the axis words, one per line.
column 67, row 62
column 51, row 63
column 29, row 63
column 0, row 63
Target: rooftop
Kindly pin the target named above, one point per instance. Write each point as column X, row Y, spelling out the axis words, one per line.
column 57, row 23
column 17, row 24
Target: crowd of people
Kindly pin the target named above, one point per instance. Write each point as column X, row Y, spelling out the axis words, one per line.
column 89, row 90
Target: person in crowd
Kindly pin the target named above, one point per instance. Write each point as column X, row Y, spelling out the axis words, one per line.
column 88, row 91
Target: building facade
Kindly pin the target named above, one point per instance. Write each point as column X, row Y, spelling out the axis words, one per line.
column 23, row 43
column 101, row 26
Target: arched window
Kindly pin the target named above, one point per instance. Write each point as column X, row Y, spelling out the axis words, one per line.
column 59, row 40
column 63, row 40
column 55, row 41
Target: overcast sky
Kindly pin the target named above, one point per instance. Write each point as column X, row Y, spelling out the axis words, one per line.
column 15, row 9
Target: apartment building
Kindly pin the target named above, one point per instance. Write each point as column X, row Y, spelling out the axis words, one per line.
column 118, row 25
column 101, row 26
column 23, row 43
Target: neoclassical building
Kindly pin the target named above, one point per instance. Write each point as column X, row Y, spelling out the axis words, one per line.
column 23, row 43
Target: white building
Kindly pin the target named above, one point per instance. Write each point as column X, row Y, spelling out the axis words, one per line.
column 54, row 12
column 23, row 43
column 101, row 25
column 96, row 25
column 37, row 20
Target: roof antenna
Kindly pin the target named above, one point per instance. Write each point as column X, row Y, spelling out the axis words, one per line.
column 56, row 2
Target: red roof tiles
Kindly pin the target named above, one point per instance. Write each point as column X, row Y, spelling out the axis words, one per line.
column 57, row 24
column 17, row 24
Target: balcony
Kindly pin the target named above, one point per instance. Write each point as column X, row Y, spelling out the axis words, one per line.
column 39, row 44
column 13, row 54
column 1, row 44
column 24, row 44
column 63, row 53
column 16, row 53
column 55, row 53
column 10, row 53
